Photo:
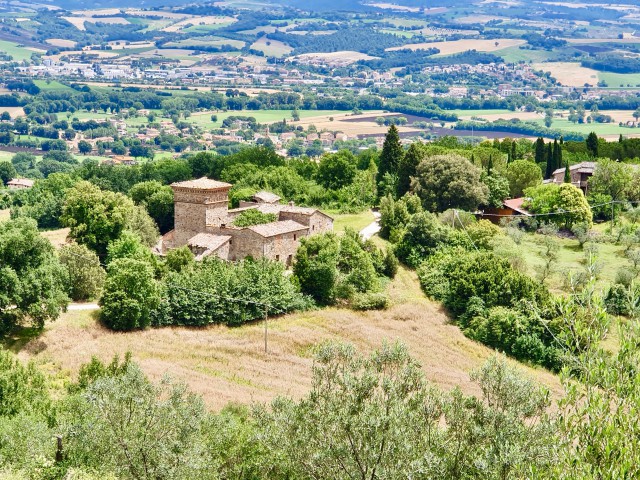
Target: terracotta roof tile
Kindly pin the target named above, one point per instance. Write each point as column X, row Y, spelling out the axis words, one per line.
column 277, row 228
column 208, row 241
column 203, row 183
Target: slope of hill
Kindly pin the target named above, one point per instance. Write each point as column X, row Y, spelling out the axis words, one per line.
column 229, row 365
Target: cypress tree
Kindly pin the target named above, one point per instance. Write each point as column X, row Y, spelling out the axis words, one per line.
column 490, row 165
column 550, row 162
column 557, row 155
column 540, row 151
column 513, row 151
column 407, row 167
column 567, row 172
column 391, row 154
column 592, row 144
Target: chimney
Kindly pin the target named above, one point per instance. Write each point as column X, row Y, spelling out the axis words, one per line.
column 292, row 204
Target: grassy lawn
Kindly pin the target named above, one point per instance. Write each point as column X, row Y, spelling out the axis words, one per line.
column 91, row 116
column 5, row 215
column 600, row 128
column 619, row 79
column 18, row 52
column 6, row 156
column 516, row 54
column 51, row 85
column 82, row 158
column 356, row 221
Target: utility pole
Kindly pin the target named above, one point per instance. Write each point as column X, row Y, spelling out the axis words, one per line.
column 266, row 321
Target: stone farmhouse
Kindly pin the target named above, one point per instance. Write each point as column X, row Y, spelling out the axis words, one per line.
column 579, row 173
column 204, row 222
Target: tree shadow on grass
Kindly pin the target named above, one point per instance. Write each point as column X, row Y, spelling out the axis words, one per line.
column 18, row 337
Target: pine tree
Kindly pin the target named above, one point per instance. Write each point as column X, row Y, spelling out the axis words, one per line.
column 550, row 162
column 391, row 154
column 567, row 172
column 407, row 167
column 540, row 151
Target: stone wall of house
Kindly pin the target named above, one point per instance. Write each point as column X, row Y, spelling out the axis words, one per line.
column 317, row 222
column 194, row 209
column 283, row 248
column 223, row 251
column 236, row 244
column 246, row 243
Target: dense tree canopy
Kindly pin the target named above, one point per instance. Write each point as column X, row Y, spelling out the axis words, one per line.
column 32, row 281
column 449, row 181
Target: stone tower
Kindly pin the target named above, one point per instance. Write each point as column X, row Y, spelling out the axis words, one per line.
column 199, row 203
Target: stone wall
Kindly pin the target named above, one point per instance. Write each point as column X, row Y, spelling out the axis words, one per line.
column 194, row 209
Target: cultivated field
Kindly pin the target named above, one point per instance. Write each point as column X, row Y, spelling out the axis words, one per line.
column 230, row 365
column 17, row 51
column 79, row 22
column 345, row 57
column 458, row 46
column 570, row 73
column 61, row 42
column 198, row 21
column 272, row 48
column 13, row 111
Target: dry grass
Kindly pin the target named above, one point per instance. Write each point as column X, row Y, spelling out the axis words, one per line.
column 133, row 45
column 458, row 46
column 61, row 42
column 13, row 111
column 227, row 365
column 97, row 12
column 56, row 237
column 340, row 124
column 79, row 22
column 5, row 215
column 96, row 53
column 156, row 13
column 272, row 48
column 345, row 57
column 176, row 27
column 569, row 73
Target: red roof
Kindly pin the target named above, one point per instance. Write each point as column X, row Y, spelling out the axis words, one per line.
column 515, row 204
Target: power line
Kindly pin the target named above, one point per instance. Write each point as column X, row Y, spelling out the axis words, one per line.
column 267, row 307
column 561, row 211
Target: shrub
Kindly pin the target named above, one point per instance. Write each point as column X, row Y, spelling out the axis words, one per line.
column 231, row 294
column 253, row 217
column 370, row 301
column 330, row 268
column 86, row 276
column 130, row 294
column 423, row 235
